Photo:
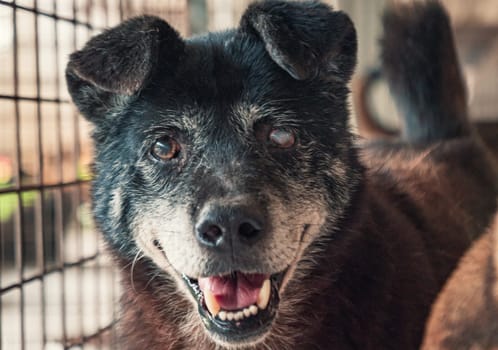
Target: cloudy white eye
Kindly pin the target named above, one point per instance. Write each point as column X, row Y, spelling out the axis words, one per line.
column 165, row 148
column 281, row 138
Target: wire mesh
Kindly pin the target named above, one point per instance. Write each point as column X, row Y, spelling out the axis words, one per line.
column 57, row 286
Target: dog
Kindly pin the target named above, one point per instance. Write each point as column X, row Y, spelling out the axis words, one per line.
column 465, row 314
column 239, row 207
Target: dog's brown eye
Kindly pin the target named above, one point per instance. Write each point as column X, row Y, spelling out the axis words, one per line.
column 165, row 148
column 282, row 138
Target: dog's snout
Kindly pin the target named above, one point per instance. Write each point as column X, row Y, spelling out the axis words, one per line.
column 222, row 226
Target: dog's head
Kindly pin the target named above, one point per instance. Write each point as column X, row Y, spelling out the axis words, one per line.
column 222, row 158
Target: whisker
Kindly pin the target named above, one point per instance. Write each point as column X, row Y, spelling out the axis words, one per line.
column 137, row 257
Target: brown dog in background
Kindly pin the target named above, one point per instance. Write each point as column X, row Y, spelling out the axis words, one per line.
column 465, row 315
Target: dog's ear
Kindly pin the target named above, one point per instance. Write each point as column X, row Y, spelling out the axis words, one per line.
column 305, row 39
column 116, row 64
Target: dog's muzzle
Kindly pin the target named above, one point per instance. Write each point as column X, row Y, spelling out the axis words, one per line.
column 235, row 306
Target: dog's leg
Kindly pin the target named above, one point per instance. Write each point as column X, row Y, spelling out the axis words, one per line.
column 421, row 65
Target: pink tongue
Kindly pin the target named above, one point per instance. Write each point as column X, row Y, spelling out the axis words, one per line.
column 236, row 291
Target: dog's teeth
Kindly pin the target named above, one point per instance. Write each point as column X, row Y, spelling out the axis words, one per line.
column 222, row 315
column 211, row 303
column 253, row 309
column 264, row 295
column 239, row 315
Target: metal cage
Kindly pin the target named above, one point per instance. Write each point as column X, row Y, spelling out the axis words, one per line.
column 57, row 286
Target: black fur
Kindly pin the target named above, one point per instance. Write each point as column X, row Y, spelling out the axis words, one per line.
column 116, row 64
column 322, row 42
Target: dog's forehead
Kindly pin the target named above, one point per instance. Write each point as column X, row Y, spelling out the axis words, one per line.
column 224, row 76
column 237, row 116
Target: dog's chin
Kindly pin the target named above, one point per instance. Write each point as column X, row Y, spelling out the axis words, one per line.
column 242, row 323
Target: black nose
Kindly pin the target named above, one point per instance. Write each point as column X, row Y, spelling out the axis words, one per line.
column 221, row 226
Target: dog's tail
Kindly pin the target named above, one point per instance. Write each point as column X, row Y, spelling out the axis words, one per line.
column 421, row 65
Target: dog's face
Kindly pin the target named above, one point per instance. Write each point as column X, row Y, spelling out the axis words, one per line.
column 222, row 158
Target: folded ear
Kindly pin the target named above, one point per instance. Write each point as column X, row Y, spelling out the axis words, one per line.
column 119, row 62
column 306, row 39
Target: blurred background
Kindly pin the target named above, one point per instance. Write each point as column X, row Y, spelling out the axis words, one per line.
column 57, row 286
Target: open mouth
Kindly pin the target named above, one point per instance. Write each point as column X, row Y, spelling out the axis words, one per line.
column 238, row 306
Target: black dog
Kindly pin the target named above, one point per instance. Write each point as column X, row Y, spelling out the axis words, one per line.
column 237, row 203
